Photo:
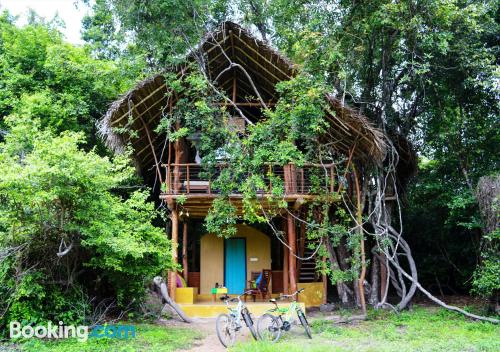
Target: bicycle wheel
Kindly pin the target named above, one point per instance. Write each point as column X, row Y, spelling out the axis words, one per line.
column 249, row 322
column 226, row 330
column 269, row 328
column 304, row 323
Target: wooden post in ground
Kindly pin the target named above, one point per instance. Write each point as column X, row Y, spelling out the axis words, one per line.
column 174, row 217
column 185, row 251
column 292, row 243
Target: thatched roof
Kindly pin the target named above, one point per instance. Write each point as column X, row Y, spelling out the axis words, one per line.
column 143, row 105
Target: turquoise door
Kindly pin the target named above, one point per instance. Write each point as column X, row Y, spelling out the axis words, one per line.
column 235, row 265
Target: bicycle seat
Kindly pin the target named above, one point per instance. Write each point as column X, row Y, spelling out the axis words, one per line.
column 272, row 300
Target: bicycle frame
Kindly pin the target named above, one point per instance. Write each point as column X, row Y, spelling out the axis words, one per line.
column 235, row 312
column 286, row 314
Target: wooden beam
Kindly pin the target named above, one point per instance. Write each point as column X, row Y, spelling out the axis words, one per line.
column 262, row 56
column 248, row 92
column 157, row 164
column 292, row 262
column 259, row 65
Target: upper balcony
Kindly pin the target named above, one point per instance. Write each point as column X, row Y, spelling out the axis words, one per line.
column 196, row 186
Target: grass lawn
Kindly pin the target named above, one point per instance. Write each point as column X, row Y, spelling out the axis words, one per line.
column 154, row 338
column 422, row 329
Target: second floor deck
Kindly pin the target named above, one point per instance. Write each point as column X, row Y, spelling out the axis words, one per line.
column 198, row 185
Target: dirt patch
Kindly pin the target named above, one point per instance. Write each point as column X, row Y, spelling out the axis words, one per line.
column 209, row 342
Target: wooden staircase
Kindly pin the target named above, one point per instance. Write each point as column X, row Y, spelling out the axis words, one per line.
column 308, row 267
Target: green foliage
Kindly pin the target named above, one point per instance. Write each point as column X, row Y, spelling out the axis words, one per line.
column 420, row 329
column 60, row 84
column 157, row 338
column 486, row 280
column 54, row 194
column 450, row 213
column 163, row 29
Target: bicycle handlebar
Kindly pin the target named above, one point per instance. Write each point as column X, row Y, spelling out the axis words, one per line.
column 227, row 299
column 293, row 294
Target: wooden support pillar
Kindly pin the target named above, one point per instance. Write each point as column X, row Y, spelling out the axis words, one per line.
column 285, row 261
column 185, row 251
column 174, row 217
column 302, row 245
column 292, row 243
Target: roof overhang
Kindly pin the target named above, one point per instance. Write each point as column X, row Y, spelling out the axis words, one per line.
column 142, row 107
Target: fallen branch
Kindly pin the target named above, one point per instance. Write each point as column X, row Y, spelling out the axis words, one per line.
column 441, row 303
column 158, row 281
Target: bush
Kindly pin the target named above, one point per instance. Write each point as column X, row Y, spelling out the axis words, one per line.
column 486, row 281
column 66, row 237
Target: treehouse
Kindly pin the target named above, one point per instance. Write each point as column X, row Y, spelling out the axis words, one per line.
column 245, row 70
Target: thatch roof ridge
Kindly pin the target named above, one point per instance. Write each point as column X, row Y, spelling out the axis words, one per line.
column 264, row 45
column 348, row 126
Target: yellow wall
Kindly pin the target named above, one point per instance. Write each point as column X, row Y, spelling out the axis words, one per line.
column 211, row 262
column 313, row 293
column 211, row 310
column 185, row 295
column 258, row 246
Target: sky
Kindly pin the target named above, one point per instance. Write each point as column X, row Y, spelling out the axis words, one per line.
column 70, row 13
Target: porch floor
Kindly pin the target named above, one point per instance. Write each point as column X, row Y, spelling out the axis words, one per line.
column 213, row 309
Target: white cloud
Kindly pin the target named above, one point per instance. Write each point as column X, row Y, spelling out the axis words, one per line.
column 70, row 13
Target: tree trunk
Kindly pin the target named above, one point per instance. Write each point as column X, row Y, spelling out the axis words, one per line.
column 158, row 281
column 334, row 264
column 373, row 299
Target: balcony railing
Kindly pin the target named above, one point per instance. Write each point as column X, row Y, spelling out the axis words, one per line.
column 196, row 179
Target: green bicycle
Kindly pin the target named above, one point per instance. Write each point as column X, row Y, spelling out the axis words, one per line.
column 271, row 324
